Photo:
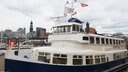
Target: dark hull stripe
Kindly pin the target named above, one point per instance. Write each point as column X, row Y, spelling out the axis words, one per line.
column 21, row 66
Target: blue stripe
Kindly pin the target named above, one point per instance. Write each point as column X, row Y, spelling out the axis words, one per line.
column 21, row 66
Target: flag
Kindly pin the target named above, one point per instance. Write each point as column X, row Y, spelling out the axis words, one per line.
column 83, row 5
column 11, row 43
column 69, row 10
column 67, row 2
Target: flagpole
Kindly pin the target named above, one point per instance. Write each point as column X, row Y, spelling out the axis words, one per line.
column 72, row 8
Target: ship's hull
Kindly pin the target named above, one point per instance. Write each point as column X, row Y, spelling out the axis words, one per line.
column 22, row 66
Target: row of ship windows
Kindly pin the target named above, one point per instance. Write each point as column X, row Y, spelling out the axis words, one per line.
column 117, row 56
column 69, row 28
column 76, row 60
column 98, row 40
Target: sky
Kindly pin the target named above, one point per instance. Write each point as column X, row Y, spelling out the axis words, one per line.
column 107, row 16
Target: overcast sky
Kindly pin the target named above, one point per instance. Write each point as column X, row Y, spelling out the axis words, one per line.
column 107, row 16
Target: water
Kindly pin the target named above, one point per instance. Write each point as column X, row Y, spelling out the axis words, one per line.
column 124, row 70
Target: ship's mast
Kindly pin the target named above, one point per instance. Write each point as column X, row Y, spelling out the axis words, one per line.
column 69, row 10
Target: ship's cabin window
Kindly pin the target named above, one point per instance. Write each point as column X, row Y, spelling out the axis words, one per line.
column 89, row 59
column 113, row 41
column 92, row 40
column 116, row 41
column 62, row 29
column 59, row 59
column 117, row 56
column 77, row 60
column 68, row 28
column 107, row 41
column 85, row 38
column 97, row 59
column 102, row 41
column 97, row 40
column 122, row 42
column 45, row 57
column 119, row 42
column 76, row 28
column 110, row 41
column 103, row 59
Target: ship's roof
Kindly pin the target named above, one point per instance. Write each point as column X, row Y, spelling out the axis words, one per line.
column 77, row 51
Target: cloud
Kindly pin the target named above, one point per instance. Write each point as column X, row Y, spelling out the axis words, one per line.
column 108, row 16
column 27, row 7
column 33, row 7
column 105, row 16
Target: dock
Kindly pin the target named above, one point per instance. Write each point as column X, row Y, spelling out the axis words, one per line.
column 2, row 62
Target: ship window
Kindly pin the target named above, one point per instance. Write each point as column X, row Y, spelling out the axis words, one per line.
column 56, row 55
column 77, row 27
column 97, row 59
column 103, row 58
column 62, row 55
column 68, row 28
column 77, row 60
column 119, row 42
column 107, row 59
column 41, row 53
column 102, row 39
column 106, row 41
column 60, row 59
column 59, row 29
column 114, row 56
column 73, row 27
column 125, row 53
column 116, row 41
column 113, row 41
column 64, row 29
column 91, row 39
column 110, row 41
column 89, row 60
column 97, row 40
column 122, row 41
column 45, row 57
column 85, row 38
column 117, row 56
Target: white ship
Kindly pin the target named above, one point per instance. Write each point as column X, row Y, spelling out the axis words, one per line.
column 73, row 49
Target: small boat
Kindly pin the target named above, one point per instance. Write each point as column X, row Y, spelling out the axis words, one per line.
column 72, row 49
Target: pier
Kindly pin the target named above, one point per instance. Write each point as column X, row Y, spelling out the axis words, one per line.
column 2, row 62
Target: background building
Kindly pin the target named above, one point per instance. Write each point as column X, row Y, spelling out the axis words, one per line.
column 40, row 32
